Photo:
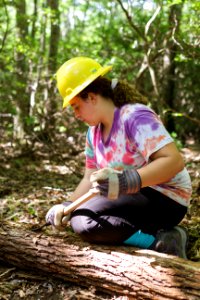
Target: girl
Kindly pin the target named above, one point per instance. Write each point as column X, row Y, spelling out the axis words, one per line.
column 153, row 187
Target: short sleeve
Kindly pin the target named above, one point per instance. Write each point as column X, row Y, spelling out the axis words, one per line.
column 147, row 132
column 90, row 161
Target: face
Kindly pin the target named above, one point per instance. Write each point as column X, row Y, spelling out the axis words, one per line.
column 85, row 110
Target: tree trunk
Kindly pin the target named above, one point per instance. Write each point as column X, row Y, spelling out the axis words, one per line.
column 139, row 274
column 52, row 103
column 55, row 35
column 169, row 65
column 22, row 100
column 34, row 19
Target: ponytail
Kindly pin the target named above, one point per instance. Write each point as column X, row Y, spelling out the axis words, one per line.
column 125, row 93
column 120, row 92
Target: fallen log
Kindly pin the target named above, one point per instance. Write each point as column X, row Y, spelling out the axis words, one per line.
column 138, row 274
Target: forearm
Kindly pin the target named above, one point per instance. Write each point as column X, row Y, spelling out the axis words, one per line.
column 84, row 185
column 160, row 170
column 81, row 189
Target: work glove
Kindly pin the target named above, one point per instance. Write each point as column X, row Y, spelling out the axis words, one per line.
column 55, row 216
column 112, row 183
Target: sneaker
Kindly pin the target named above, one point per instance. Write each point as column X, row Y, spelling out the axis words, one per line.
column 172, row 242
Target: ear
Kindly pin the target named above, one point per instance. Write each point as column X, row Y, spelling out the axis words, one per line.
column 92, row 97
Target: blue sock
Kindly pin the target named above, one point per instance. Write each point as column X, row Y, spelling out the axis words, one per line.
column 140, row 239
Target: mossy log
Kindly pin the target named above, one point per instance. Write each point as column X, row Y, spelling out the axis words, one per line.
column 137, row 274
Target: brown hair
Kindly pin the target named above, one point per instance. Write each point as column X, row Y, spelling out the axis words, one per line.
column 123, row 93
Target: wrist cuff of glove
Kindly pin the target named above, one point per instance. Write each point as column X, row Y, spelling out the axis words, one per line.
column 130, row 182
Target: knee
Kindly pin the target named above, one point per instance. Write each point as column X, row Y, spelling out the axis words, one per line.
column 84, row 226
column 85, row 220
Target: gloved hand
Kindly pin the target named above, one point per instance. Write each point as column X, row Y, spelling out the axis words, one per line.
column 55, row 215
column 129, row 182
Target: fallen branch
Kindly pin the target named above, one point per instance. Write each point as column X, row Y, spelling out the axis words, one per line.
column 139, row 274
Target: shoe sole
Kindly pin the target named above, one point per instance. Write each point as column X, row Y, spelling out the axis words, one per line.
column 184, row 238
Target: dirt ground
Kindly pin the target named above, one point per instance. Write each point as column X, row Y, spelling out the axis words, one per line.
column 31, row 182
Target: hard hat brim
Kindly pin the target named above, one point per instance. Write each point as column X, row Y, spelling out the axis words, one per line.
column 101, row 72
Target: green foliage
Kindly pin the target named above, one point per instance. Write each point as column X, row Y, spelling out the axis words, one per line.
column 18, row 162
column 32, row 211
column 177, row 141
column 174, row 2
column 30, row 120
column 62, row 129
column 112, row 35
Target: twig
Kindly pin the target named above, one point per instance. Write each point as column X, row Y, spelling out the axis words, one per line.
column 7, row 272
column 182, row 114
column 131, row 22
column 152, row 19
column 174, row 29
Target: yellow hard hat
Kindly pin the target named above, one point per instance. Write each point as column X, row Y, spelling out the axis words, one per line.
column 76, row 74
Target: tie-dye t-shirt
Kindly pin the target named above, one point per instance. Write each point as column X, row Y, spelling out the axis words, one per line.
column 137, row 132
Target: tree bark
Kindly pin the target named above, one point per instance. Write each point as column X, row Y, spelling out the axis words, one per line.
column 21, row 126
column 170, row 65
column 55, row 35
column 138, row 274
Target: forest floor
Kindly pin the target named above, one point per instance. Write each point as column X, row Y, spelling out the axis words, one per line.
column 34, row 180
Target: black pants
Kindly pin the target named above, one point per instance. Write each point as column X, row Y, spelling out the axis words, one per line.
column 100, row 220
